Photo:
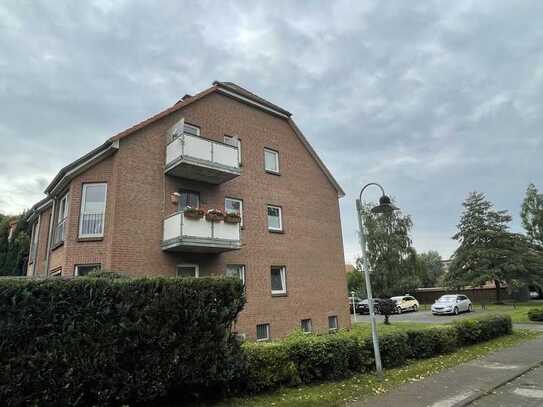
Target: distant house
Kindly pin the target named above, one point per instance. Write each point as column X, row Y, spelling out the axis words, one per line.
column 446, row 264
column 12, row 227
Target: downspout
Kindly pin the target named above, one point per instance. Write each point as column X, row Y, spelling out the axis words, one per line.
column 50, row 237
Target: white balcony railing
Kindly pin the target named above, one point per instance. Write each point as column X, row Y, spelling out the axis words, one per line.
column 202, row 159
column 181, row 233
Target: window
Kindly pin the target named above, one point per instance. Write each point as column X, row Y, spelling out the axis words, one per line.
column 93, row 209
column 189, row 199
column 187, row 270
column 191, row 129
column 275, row 221
column 237, row 271
column 307, row 326
column 263, row 332
column 332, row 323
column 34, row 242
column 84, row 269
column 278, row 280
column 271, row 160
column 236, row 142
column 61, row 220
column 56, row 273
column 233, row 205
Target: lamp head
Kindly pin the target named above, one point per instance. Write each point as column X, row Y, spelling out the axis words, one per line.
column 385, row 206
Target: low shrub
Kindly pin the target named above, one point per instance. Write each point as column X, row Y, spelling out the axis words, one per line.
column 269, row 366
column 314, row 358
column 427, row 343
column 322, row 357
column 535, row 314
column 470, row 331
column 103, row 341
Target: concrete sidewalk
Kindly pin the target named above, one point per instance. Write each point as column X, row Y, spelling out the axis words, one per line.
column 461, row 385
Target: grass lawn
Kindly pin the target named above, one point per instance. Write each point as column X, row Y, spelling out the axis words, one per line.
column 518, row 312
column 364, row 385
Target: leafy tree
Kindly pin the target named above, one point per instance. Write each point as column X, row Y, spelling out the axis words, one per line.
column 356, row 283
column 532, row 214
column 488, row 251
column 390, row 254
column 14, row 252
column 429, row 268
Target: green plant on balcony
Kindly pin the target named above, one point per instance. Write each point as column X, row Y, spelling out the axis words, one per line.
column 193, row 213
column 214, row 215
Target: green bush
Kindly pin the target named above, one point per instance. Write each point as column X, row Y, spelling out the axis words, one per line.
column 268, row 367
column 470, row 331
column 95, row 341
column 427, row 343
column 315, row 358
column 535, row 314
column 322, row 357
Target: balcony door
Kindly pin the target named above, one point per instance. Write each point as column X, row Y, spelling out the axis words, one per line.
column 188, row 199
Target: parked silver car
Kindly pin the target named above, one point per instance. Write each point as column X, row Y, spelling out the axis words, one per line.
column 452, row 304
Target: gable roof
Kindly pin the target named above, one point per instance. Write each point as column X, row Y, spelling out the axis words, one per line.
column 243, row 95
column 229, row 89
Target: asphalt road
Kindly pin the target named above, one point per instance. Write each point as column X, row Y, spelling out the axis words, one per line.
column 420, row 316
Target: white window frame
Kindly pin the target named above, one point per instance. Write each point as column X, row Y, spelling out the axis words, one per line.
column 283, row 275
column 33, row 249
column 193, row 127
column 196, row 269
column 240, row 207
column 276, row 155
column 97, row 266
column 60, row 219
column 242, row 274
column 310, row 325
column 268, row 336
column 81, row 209
column 280, row 228
column 56, row 273
column 337, row 323
column 228, row 140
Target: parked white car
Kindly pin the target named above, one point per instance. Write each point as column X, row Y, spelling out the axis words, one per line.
column 452, row 304
column 405, row 303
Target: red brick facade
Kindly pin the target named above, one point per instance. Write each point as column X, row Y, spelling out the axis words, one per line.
column 138, row 199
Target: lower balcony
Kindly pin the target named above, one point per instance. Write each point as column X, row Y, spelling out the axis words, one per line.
column 183, row 234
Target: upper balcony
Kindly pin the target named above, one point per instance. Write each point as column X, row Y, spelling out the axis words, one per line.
column 183, row 234
column 201, row 159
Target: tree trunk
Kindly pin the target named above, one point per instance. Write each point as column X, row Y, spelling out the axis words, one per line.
column 386, row 319
column 498, row 291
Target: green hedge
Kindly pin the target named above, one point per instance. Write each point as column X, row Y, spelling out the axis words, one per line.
column 314, row 358
column 535, row 314
column 93, row 341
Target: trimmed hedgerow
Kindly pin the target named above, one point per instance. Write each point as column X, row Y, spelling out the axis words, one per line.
column 470, row 331
column 314, row 358
column 535, row 314
column 96, row 341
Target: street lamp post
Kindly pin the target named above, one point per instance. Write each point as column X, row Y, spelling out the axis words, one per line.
column 385, row 206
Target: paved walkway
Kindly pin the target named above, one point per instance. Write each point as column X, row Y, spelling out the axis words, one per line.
column 470, row 382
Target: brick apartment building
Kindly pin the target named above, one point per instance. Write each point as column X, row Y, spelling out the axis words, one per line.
column 125, row 207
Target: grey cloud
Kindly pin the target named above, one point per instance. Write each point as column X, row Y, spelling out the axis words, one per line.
column 432, row 99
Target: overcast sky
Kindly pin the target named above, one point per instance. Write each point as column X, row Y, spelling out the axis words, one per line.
column 431, row 99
